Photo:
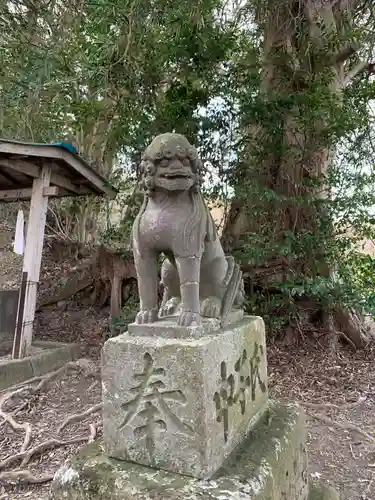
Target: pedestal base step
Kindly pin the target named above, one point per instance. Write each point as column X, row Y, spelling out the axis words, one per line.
column 322, row 492
column 270, row 464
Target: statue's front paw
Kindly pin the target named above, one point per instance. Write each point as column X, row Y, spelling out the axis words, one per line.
column 170, row 307
column 146, row 316
column 189, row 318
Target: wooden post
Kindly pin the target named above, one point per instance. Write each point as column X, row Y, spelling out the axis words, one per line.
column 33, row 257
column 19, row 322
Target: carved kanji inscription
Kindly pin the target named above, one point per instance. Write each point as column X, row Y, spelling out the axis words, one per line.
column 151, row 402
column 255, row 362
column 233, row 387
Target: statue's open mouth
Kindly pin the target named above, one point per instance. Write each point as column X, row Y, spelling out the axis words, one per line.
column 176, row 175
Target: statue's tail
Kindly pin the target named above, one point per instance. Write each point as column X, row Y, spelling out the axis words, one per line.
column 233, row 280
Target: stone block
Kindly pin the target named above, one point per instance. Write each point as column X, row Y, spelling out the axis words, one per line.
column 167, row 327
column 270, row 464
column 14, row 371
column 183, row 405
column 53, row 357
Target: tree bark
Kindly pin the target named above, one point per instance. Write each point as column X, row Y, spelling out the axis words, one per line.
column 295, row 56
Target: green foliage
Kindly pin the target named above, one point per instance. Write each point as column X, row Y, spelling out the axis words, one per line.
column 108, row 76
column 304, row 176
column 283, row 138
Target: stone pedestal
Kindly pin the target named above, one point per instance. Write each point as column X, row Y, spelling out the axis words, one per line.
column 196, row 406
column 183, row 404
column 270, row 464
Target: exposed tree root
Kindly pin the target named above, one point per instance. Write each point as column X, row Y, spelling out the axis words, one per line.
column 14, row 414
column 10, row 420
column 80, row 364
column 344, row 426
column 79, row 416
column 75, row 365
column 353, row 327
column 348, row 340
column 23, row 476
column 26, row 456
column 346, row 406
column 106, row 270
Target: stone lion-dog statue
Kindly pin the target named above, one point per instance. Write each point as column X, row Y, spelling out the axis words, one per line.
column 199, row 280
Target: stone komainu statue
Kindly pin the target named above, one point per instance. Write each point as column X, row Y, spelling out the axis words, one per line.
column 199, row 280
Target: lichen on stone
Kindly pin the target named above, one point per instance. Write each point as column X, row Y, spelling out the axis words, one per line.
column 66, row 475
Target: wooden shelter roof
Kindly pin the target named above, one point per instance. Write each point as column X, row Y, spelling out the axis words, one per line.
column 21, row 163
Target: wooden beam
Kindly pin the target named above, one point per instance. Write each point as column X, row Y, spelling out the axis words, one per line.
column 27, row 150
column 89, row 174
column 26, row 193
column 23, row 167
column 15, row 194
column 9, row 177
column 63, row 182
column 64, row 193
column 51, row 191
column 33, row 256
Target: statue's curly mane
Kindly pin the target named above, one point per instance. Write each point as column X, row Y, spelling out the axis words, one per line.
column 199, row 226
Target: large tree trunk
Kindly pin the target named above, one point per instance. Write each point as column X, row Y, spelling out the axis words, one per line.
column 295, row 59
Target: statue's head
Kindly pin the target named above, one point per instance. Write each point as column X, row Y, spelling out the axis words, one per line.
column 171, row 163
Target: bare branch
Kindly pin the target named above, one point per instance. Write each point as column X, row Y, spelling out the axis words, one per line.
column 345, row 53
column 359, row 68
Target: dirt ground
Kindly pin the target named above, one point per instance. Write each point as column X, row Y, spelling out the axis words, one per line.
column 69, row 394
column 338, row 394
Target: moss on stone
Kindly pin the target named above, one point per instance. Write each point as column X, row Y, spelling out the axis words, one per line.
column 322, row 492
column 270, row 462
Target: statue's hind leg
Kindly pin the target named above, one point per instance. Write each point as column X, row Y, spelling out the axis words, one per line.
column 171, row 283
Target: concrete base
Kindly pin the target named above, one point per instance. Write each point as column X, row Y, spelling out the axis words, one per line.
column 47, row 357
column 270, row 464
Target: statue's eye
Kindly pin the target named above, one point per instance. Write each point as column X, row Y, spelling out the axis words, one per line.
column 186, row 162
column 164, row 163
